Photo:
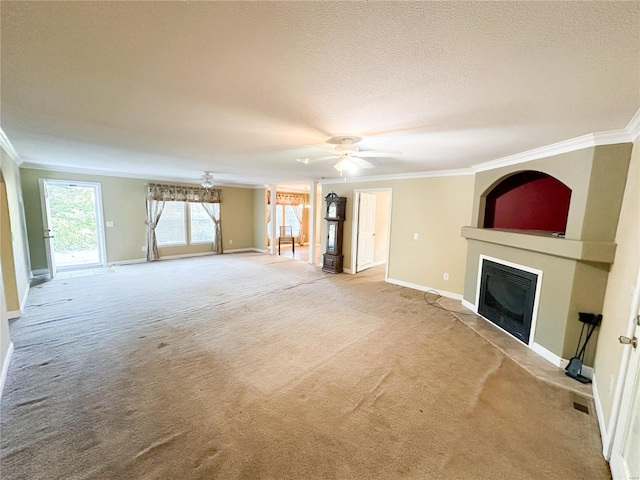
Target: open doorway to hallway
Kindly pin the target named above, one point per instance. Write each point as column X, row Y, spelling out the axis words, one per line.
column 370, row 241
column 72, row 216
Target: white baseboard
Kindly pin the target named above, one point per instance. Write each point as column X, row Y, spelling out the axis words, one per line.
column 600, row 416
column 558, row 361
column 14, row 314
column 185, row 255
column 469, row 305
column 379, row 262
column 423, row 288
column 548, row 355
column 25, row 295
column 346, row 270
column 251, row 249
column 5, row 368
column 127, row 262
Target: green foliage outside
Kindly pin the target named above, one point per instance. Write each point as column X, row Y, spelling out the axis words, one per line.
column 73, row 218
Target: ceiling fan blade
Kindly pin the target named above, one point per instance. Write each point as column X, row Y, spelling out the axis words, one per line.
column 307, row 160
column 323, row 146
column 361, row 163
column 378, row 153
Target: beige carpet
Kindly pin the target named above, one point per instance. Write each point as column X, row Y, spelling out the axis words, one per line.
column 252, row 366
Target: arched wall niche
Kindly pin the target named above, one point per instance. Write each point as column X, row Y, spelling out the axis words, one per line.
column 527, row 200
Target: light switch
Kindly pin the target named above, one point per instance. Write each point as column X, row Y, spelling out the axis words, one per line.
column 415, row 236
column 109, row 224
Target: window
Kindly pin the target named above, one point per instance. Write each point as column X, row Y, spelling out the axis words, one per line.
column 202, row 228
column 172, row 228
column 291, row 219
column 286, row 215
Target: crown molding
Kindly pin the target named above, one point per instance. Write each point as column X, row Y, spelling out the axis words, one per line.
column 626, row 135
column 7, row 147
column 399, row 176
column 571, row 145
column 634, row 126
column 105, row 173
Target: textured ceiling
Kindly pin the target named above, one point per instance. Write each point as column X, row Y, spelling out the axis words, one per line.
column 167, row 89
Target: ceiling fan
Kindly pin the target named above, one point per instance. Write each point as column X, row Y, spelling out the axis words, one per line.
column 348, row 154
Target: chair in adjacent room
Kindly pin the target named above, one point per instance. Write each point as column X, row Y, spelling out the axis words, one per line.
column 286, row 236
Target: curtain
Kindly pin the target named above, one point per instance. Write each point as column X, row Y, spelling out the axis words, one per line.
column 268, row 222
column 154, row 211
column 298, row 212
column 213, row 209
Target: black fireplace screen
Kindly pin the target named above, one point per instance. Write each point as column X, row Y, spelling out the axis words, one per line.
column 506, row 298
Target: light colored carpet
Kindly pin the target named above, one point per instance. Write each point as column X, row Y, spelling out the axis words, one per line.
column 252, row 366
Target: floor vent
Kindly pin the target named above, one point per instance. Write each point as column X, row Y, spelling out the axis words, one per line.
column 580, row 403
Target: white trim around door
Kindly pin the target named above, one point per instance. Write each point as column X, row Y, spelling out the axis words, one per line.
column 354, row 227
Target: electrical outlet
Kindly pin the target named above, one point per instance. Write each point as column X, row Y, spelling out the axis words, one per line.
column 144, row 248
column 445, row 276
column 230, row 242
column 109, row 224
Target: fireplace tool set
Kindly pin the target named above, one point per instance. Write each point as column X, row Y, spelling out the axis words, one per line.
column 589, row 323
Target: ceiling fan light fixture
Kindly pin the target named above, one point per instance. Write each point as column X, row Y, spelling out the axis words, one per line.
column 207, row 180
column 345, row 165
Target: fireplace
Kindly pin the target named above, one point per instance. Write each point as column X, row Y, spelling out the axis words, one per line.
column 530, row 228
column 507, row 297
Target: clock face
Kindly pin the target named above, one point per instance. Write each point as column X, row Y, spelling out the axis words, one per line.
column 332, row 210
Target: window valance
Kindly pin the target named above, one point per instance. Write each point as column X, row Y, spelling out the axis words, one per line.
column 294, row 199
column 178, row 193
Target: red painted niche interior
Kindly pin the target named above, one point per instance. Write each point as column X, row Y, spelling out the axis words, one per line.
column 528, row 200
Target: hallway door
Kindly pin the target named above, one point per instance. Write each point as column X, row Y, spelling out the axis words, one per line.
column 625, row 455
column 366, row 230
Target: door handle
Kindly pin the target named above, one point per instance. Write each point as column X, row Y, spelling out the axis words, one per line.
column 628, row 341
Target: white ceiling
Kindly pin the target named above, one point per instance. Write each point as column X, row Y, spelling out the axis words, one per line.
column 168, row 89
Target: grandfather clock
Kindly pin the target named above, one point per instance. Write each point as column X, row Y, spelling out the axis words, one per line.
column 335, row 216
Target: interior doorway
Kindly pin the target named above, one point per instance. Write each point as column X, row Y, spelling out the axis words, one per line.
column 73, row 226
column 370, row 234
